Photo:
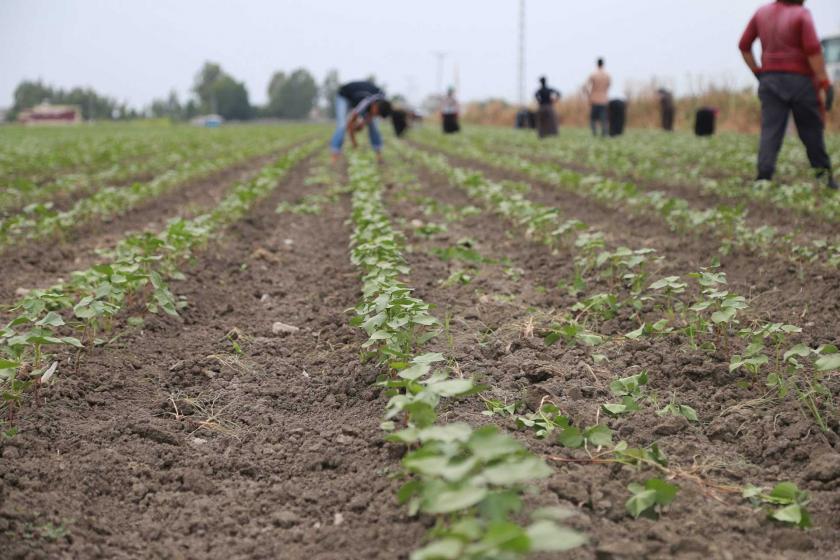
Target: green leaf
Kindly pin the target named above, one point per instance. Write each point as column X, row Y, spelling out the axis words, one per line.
column 515, row 471
column 450, row 498
column 443, row 549
column 640, row 502
column 571, row 437
column 51, row 319
column 829, row 362
column 794, row 514
column 488, row 444
column 550, row 537
column 599, row 435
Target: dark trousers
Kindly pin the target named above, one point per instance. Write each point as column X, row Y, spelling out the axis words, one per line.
column 781, row 94
column 668, row 118
column 598, row 115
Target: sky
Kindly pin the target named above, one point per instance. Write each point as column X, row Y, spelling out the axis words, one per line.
column 137, row 50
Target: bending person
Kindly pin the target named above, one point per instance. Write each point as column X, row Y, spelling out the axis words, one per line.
column 546, row 118
column 792, row 78
column 356, row 106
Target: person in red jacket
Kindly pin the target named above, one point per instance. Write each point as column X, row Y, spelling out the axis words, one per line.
column 792, row 79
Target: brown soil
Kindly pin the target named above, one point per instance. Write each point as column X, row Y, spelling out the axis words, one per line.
column 273, row 454
column 38, row 264
column 739, row 439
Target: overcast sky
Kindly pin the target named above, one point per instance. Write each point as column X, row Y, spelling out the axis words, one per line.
column 140, row 49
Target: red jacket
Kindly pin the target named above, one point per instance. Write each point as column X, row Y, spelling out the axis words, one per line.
column 788, row 38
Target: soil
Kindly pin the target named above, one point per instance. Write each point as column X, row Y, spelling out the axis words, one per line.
column 740, row 438
column 168, row 444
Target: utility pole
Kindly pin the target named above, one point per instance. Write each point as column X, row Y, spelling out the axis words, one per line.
column 441, row 55
column 521, row 53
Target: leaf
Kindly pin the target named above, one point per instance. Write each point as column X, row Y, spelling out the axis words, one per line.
column 640, row 502
column 794, row 514
column 633, row 335
column 452, row 498
column 488, row 444
column 829, row 362
column 51, row 319
column 800, row 350
column 665, row 492
column 443, row 549
column 550, row 537
column 523, row 469
column 452, row 387
column 571, row 437
column 615, row 409
column 599, row 435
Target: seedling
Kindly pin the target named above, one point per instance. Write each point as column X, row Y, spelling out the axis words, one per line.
column 649, row 498
column 786, row 503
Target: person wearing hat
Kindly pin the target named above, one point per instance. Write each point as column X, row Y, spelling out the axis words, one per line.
column 546, row 117
column 792, row 79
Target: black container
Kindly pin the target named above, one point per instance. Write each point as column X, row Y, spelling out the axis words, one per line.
column 704, row 122
column 400, row 120
column 450, row 123
column 617, row 112
column 526, row 119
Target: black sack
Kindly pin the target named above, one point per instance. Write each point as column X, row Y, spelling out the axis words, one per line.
column 400, row 120
column 617, row 112
column 704, row 122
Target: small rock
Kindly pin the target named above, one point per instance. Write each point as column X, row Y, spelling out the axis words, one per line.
column 338, row 518
column 198, row 441
column 825, row 468
column 285, row 519
column 288, row 242
column 283, row 328
column 177, row 366
column 264, row 298
column 672, row 425
column 21, row 292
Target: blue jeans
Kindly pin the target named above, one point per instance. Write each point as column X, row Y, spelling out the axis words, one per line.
column 342, row 107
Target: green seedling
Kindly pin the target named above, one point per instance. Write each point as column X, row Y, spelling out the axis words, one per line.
column 631, row 391
column 547, row 419
column 675, row 409
column 786, row 503
column 593, row 436
column 571, row 333
column 649, row 498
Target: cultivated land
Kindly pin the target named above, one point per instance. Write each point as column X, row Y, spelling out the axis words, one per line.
column 216, row 345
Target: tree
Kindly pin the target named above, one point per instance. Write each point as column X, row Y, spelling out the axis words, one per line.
column 292, row 97
column 231, row 99
column 204, row 83
column 93, row 106
column 329, row 89
column 169, row 108
column 218, row 92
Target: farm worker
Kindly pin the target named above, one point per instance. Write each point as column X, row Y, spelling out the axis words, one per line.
column 666, row 108
column 356, row 106
column 598, row 89
column 546, row 118
column 449, row 110
column 792, row 78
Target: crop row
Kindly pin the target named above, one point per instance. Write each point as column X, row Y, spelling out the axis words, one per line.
column 726, row 223
column 74, row 313
column 705, row 321
column 470, row 479
column 681, row 161
column 128, row 168
column 697, row 308
column 39, row 221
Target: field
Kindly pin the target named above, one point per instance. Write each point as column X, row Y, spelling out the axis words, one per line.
column 216, row 344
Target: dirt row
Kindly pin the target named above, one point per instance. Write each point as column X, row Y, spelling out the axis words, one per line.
column 807, row 296
column 38, row 264
column 168, row 443
column 742, row 437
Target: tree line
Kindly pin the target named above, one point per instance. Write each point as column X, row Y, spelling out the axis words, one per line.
column 290, row 96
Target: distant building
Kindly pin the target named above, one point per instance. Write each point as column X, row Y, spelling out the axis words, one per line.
column 208, row 121
column 51, row 114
